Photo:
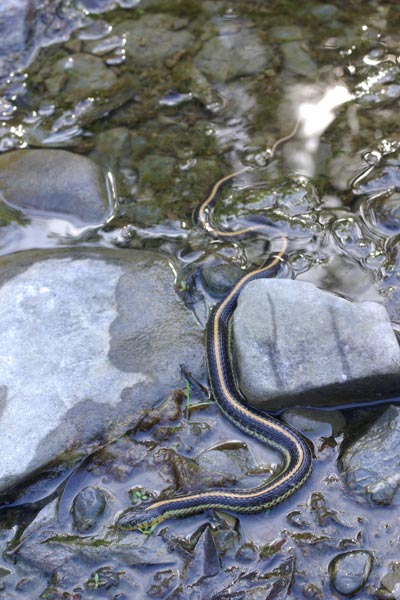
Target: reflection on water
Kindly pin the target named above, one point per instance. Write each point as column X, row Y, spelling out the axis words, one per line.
column 314, row 109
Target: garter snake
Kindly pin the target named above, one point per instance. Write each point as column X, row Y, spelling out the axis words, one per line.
column 292, row 446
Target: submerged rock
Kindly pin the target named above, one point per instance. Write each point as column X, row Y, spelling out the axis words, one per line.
column 54, row 181
column 89, row 339
column 220, row 279
column 316, row 423
column 153, row 38
column 297, row 61
column 45, row 547
column 88, row 506
column 349, row 571
column 371, row 464
column 297, row 345
column 390, row 582
column 234, row 52
column 14, row 30
column 80, row 76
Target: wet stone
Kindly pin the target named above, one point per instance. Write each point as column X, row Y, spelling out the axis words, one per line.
column 383, row 177
column 370, row 466
column 233, row 53
column 156, row 171
column 383, row 213
column 219, row 279
column 190, row 77
column 54, row 181
column 316, row 423
column 153, row 38
column 232, row 462
column 14, row 26
column 325, row 12
column 296, row 345
column 349, row 571
column 88, row 506
column 292, row 200
column 390, row 582
column 80, row 76
column 84, row 351
column 393, row 305
column 96, row 6
column 311, row 591
column 205, row 561
column 164, row 583
column 297, row 61
column 286, row 33
column 112, row 146
column 383, row 86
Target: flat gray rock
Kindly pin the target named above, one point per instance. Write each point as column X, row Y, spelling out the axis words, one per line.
column 14, row 28
column 233, row 53
column 153, row 38
column 349, row 571
column 80, row 76
column 88, row 340
column 297, row 345
column 370, row 465
column 55, row 181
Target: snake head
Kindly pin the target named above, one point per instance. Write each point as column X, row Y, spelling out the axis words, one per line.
column 136, row 519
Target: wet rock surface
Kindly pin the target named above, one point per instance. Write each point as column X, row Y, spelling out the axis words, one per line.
column 370, row 465
column 55, row 181
column 298, row 61
column 80, row 336
column 350, row 571
column 14, row 26
column 212, row 554
column 154, row 37
column 79, row 76
column 295, row 344
column 390, row 582
column 234, row 52
column 88, row 506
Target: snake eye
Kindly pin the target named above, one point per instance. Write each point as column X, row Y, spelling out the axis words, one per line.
column 134, row 519
column 128, row 520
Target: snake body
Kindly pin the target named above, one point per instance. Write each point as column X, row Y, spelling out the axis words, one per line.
column 292, row 446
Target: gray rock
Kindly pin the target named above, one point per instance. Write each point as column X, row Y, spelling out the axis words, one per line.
column 88, row 506
column 384, row 86
column 88, row 339
column 26, row 25
column 349, row 571
column 325, row 12
column 44, row 546
column 219, row 279
column 296, row 60
column 316, row 423
column 234, row 462
column 371, row 465
column 385, row 176
column 112, row 146
column 80, row 76
column 54, row 181
column 153, row 38
column 297, row 345
column 286, row 33
column 14, row 27
column 97, row 6
column 390, row 582
column 233, row 54
column 205, row 562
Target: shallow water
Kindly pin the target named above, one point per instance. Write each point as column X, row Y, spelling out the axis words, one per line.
column 166, row 115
